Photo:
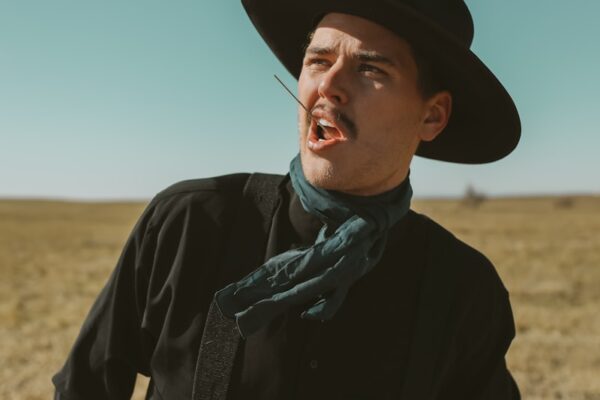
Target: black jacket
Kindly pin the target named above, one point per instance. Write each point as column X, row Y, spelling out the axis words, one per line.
column 149, row 317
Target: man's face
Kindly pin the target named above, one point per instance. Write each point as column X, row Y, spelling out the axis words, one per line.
column 360, row 79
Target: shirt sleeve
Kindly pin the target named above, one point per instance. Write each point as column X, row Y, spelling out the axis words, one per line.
column 482, row 333
column 149, row 317
column 501, row 385
column 482, row 372
column 109, row 351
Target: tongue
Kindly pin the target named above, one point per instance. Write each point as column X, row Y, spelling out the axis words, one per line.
column 331, row 133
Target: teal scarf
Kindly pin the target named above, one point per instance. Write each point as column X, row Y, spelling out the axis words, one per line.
column 320, row 275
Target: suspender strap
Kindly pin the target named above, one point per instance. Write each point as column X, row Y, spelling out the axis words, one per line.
column 221, row 338
column 218, row 347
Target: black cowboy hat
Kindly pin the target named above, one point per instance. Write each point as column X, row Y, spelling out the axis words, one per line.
column 484, row 125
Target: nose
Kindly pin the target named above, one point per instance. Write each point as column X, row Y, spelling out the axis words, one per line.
column 333, row 86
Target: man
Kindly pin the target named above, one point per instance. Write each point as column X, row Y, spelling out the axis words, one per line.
column 346, row 293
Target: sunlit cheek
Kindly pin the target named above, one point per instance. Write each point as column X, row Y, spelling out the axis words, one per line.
column 299, row 117
column 302, row 121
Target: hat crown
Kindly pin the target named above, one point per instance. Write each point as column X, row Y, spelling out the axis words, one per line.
column 451, row 15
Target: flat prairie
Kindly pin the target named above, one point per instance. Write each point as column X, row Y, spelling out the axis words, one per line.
column 56, row 256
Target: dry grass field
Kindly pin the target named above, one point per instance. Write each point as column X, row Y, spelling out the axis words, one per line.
column 55, row 257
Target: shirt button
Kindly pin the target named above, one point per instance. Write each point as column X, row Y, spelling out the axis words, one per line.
column 314, row 364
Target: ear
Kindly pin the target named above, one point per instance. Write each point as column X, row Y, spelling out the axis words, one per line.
column 437, row 113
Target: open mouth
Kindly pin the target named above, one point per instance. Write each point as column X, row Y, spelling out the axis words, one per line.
column 324, row 133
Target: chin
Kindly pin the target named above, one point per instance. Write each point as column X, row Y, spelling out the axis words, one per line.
column 324, row 181
column 321, row 173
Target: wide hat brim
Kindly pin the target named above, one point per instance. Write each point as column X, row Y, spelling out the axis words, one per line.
column 484, row 125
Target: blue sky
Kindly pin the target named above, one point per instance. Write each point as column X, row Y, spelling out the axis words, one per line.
column 119, row 99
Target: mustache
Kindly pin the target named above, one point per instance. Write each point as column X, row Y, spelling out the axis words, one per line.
column 348, row 123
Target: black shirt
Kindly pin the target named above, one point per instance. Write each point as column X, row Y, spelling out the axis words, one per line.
column 150, row 315
column 349, row 357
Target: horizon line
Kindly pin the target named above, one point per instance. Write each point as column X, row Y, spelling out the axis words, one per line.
column 76, row 199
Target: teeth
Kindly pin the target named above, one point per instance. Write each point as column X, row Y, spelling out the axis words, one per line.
column 324, row 122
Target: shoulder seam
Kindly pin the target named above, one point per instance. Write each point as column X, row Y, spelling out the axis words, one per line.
column 212, row 185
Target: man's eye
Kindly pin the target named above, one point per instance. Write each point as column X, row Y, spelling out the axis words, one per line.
column 317, row 62
column 370, row 68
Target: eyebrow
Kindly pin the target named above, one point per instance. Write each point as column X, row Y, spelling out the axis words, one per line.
column 363, row 55
column 373, row 56
column 319, row 51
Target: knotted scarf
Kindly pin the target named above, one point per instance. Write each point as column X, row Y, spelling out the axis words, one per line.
column 320, row 275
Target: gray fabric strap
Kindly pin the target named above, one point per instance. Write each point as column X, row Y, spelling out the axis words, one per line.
column 221, row 338
column 261, row 193
column 218, row 347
